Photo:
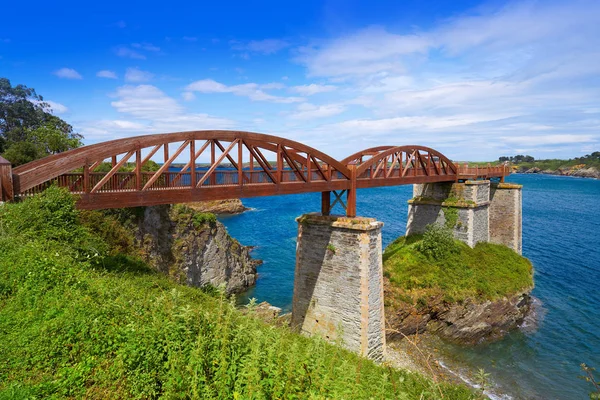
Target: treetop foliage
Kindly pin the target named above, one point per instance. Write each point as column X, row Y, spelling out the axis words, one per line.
column 28, row 129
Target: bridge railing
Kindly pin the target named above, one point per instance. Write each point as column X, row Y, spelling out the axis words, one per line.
column 127, row 181
column 485, row 172
column 397, row 171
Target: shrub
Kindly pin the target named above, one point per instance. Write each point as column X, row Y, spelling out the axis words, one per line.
column 438, row 242
column 50, row 217
column 200, row 219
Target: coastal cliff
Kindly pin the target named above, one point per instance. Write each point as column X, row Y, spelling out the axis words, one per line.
column 193, row 248
column 467, row 295
column 583, row 172
column 467, row 322
column 189, row 246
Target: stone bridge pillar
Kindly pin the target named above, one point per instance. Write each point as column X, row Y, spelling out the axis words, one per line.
column 506, row 215
column 476, row 211
column 338, row 284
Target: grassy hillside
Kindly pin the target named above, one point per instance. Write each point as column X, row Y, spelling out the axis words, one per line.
column 553, row 164
column 423, row 267
column 78, row 319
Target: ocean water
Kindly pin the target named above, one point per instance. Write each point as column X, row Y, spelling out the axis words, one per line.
column 561, row 236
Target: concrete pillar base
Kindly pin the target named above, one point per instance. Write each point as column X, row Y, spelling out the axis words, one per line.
column 338, row 286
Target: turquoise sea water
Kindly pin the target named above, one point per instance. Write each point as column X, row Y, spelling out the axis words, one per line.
column 561, row 236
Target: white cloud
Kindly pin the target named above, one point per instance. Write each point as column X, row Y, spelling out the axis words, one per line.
column 549, row 139
column 313, row 88
column 362, row 126
column 310, row 111
column 126, row 52
column 119, row 125
column 190, row 38
column 188, row 96
column 145, row 102
column 57, row 108
column 106, row 74
column 146, row 109
column 253, row 91
column 368, row 51
column 145, row 46
column 137, row 75
column 67, row 73
column 266, row 46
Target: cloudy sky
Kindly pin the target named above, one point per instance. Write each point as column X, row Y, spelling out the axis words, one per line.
column 475, row 80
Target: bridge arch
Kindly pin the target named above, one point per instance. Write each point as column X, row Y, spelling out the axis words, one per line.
column 392, row 163
column 288, row 152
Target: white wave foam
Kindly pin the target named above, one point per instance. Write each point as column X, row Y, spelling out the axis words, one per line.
column 532, row 320
column 489, row 393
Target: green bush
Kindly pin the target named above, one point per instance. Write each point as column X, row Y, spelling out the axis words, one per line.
column 438, row 242
column 51, row 218
column 200, row 219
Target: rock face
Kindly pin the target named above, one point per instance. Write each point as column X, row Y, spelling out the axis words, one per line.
column 580, row 172
column 231, row 206
column 587, row 173
column 194, row 248
column 464, row 323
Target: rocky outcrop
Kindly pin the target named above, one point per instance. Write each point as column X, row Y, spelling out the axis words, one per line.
column 587, row 173
column 231, row 206
column 194, row 248
column 469, row 322
column 590, row 172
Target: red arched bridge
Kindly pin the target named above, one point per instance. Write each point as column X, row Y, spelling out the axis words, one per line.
column 240, row 164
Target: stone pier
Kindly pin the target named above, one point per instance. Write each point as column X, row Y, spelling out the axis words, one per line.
column 506, row 215
column 338, row 286
column 476, row 211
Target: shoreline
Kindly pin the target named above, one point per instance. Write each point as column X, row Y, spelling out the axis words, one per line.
column 591, row 172
column 428, row 354
column 424, row 353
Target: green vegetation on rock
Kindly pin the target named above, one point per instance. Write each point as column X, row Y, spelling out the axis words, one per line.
column 79, row 319
column 421, row 266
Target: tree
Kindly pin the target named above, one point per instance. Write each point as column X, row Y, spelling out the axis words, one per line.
column 28, row 130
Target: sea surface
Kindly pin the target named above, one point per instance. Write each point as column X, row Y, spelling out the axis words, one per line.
column 561, row 236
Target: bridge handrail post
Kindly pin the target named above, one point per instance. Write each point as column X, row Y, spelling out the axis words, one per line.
column 351, row 196
column 6, row 181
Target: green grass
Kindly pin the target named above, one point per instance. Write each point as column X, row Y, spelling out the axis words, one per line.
column 79, row 320
column 488, row 271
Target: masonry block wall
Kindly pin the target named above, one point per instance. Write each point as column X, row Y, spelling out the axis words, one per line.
column 477, row 211
column 338, row 286
column 506, row 215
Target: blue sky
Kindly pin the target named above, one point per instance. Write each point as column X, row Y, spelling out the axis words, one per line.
column 475, row 80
